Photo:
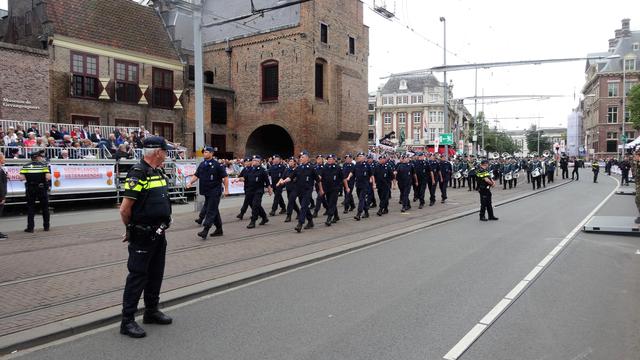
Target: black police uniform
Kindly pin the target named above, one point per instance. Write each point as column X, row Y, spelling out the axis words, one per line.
column 256, row 180
column 472, row 175
column 331, row 176
column 321, row 200
column 36, row 189
column 485, row 195
column 435, row 169
column 595, row 167
column 247, row 201
column 292, row 195
column 625, row 166
column 304, row 177
column 362, row 174
column 276, row 172
column 372, row 195
column 349, row 203
column 405, row 176
column 445, row 171
column 423, row 173
column 575, row 172
column 564, row 166
column 150, row 217
column 383, row 175
column 210, row 175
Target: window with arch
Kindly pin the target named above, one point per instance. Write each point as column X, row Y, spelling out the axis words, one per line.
column 269, row 80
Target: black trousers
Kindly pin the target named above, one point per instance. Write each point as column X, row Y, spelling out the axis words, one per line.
column 245, row 203
column 320, row 201
column 472, row 182
column 404, row 194
column 256, row 206
column 550, row 177
column 536, row 181
column 595, row 176
column 443, row 188
column 210, row 213
column 278, row 200
column 34, row 195
column 625, row 179
column 485, row 203
column 384, row 191
column 432, row 191
column 146, row 270
column 305, row 202
column 565, row 173
column 291, row 202
column 349, row 203
column 363, row 198
column 420, row 190
column 576, row 173
column 331, row 196
column 528, row 177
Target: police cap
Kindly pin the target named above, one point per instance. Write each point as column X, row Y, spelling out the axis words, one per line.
column 484, row 161
column 256, row 157
column 276, row 156
column 331, row 156
column 319, row 156
column 383, row 156
column 208, row 149
column 369, row 156
column 36, row 154
column 155, row 142
column 348, row 156
column 360, row 154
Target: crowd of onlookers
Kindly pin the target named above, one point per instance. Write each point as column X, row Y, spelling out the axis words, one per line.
column 78, row 142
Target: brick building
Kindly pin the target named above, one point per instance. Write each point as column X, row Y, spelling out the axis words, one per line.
column 603, row 91
column 110, row 62
column 24, row 84
column 293, row 79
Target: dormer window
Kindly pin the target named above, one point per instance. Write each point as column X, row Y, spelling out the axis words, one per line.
column 403, row 84
column 636, row 46
column 630, row 64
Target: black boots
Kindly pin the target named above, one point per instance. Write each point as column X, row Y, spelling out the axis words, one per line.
column 309, row 225
column 251, row 225
column 199, row 221
column 218, row 232
column 130, row 327
column 156, row 317
column 264, row 221
column 205, row 231
column 288, row 219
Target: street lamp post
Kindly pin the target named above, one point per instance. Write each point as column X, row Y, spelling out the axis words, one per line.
column 446, row 91
column 624, row 112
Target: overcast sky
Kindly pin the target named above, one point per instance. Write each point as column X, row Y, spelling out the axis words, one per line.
column 497, row 30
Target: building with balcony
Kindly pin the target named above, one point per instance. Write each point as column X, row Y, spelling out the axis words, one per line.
column 108, row 63
column 608, row 79
column 295, row 79
column 412, row 106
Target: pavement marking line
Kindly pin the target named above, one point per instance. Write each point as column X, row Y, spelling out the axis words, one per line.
column 466, row 341
column 493, row 314
column 516, row 290
column 519, row 289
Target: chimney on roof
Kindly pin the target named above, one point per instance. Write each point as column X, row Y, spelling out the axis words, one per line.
column 612, row 44
column 626, row 28
column 618, row 33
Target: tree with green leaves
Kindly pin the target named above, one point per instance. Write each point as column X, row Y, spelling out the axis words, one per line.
column 633, row 103
column 532, row 135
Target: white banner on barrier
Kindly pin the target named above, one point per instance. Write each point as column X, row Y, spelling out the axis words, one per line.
column 185, row 171
column 236, row 186
column 70, row 178
column 14, row 185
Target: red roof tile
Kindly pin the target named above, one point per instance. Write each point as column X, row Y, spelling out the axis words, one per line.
column 121, row 24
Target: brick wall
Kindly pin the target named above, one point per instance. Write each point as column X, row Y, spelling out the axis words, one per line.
column 24, row 83
column 337, row 123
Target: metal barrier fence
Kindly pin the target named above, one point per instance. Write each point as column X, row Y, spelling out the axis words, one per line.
column 176, row 154
column 44, row 127
column 177, row 184
column 20, row 152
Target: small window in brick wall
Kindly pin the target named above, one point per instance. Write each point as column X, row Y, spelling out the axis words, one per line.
column 218, row 111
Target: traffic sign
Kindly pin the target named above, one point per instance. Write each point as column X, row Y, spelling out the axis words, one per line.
column 446, row 139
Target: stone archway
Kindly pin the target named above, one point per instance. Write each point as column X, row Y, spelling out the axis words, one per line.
column 268, row 140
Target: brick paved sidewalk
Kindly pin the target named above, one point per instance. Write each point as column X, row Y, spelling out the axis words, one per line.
column 78, row 269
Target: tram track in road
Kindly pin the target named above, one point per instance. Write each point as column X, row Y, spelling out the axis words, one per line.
column 401, row 223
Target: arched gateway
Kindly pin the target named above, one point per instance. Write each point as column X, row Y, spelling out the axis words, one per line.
column 268, row 140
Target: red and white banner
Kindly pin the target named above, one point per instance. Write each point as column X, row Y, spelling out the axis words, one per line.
column 14, row 185
column 236, row 186
column 73, row 178
column 185, row 171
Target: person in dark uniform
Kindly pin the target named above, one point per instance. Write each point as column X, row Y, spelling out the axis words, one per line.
column 363, row 176
column 471, row 178
column 276, row 172
column 304, row 177
column 347, row 168
column 146, row 213
column 433, row 185
column 405, row 176
column 331, row 178
column 37, row 177
column 564, row 166
column 321, row 201
column 383, row 175
column 291, row 190
column 485, row 183
column 537, row 180
column 211, row 175
column 246, row 201
column 372, row 195
column 595, row 167
column 257, row 180
column 625, row 166
column 424, row 175
column 446, row 171
column 575, row 172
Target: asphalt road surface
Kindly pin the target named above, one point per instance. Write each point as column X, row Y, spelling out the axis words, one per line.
column 417, row 296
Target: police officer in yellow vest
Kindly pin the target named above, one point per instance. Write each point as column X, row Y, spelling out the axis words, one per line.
column 36, row 176
column 146, row 213
column 485, row 183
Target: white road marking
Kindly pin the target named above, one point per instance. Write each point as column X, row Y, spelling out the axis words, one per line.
column 511, row 297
